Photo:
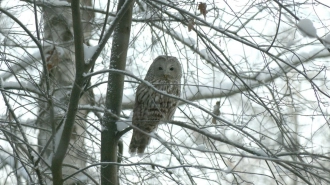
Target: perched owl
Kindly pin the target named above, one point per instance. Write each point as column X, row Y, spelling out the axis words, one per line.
column 150, row 107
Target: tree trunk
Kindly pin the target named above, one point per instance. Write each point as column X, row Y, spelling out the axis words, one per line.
column 60, row 74
column 109, row 141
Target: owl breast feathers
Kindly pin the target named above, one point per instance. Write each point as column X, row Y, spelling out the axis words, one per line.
column 151, row 107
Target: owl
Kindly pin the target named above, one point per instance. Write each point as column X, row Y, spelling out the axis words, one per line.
column 151, row 108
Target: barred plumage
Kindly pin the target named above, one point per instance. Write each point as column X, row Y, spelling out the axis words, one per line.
column 151, row 107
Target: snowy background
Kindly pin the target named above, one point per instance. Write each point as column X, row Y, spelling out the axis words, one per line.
column 265, row 61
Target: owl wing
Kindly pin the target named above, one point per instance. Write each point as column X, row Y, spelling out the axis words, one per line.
column 146, row 114
column 139, row 140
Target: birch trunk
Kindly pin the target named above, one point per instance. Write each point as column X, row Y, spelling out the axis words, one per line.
column 57, row 83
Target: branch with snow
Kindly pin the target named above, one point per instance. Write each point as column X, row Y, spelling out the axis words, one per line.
column 306, row 27
column 25, row 86
column 26, row 61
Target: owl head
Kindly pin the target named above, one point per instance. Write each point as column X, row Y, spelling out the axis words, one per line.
column 165, row 67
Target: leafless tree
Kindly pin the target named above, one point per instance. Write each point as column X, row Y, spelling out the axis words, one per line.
column 254, row 104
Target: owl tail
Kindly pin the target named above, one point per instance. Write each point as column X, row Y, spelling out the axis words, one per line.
column 139, row 143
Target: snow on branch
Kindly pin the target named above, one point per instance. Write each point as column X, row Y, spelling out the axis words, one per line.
column 306, row 27
column 26, row 61
column 25, row 86
column 89, row 52
column 290, row 62
column 123, row 124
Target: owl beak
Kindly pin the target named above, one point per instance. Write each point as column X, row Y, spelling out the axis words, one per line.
column 167, row 75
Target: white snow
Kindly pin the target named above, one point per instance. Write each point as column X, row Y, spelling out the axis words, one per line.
column 201, row 147
column 228, row 170
column 58, row 2
column 122, row 124
column 187, row 40
column 27, row 86
column 206, row 54
column 307, row 28
column 129, row 72
column 89, row 52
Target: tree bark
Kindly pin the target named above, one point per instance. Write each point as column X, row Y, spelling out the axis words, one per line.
column 114, row 94
column 59, row 74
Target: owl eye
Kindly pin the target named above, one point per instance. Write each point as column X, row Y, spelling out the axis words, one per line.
column 172, row 68
column 160, row 68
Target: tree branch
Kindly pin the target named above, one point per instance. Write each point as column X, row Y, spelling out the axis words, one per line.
column 62, row 147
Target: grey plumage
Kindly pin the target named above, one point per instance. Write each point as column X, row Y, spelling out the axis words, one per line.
column 151, row 107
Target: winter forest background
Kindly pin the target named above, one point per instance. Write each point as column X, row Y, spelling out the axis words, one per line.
column 69, row 71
